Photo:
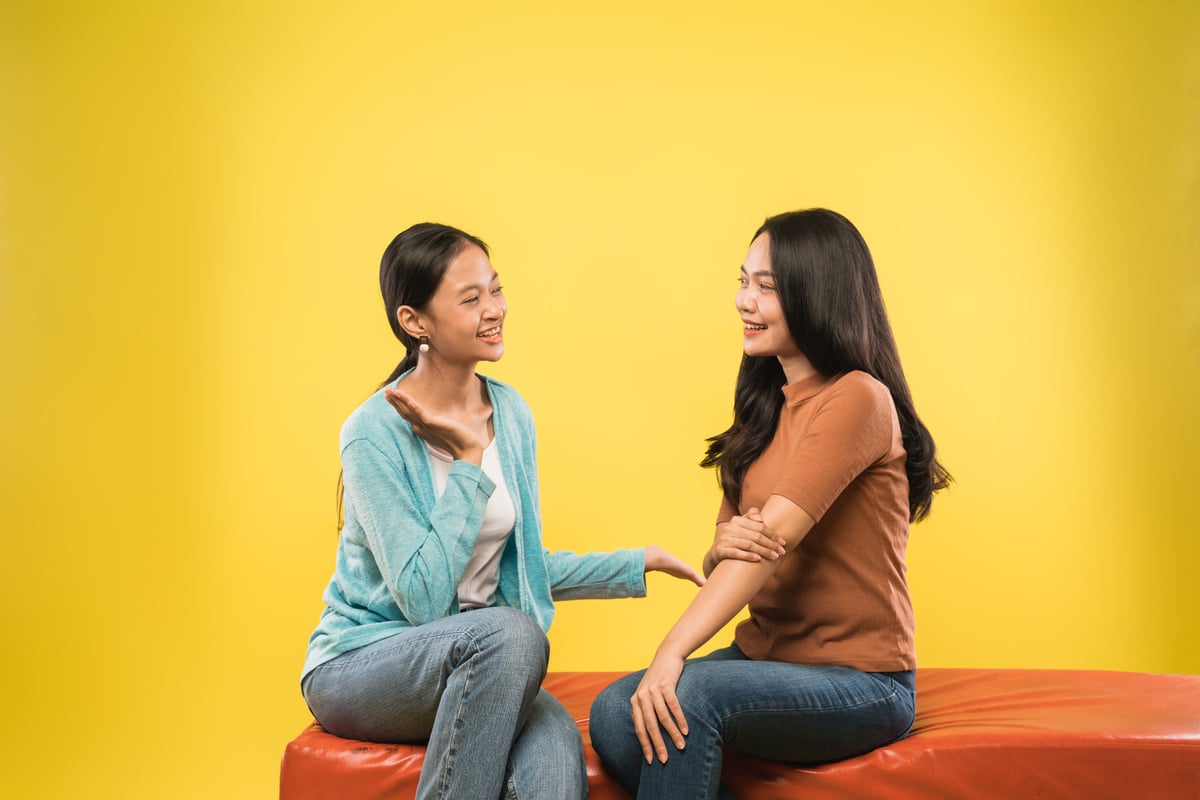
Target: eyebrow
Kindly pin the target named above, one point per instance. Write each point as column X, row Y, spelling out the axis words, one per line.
column 762, row 273
column 466, row 287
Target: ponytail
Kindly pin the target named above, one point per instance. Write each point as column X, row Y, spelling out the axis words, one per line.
column 408, row 362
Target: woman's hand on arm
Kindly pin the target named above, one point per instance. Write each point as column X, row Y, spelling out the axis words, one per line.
column 730, row 586
column 441, row 431
column 744, row 538
column 659, row 560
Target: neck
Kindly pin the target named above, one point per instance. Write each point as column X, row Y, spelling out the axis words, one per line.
column 445, row 387
column 796, row 368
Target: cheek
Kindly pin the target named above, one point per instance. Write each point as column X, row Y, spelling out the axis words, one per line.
column 768, row 307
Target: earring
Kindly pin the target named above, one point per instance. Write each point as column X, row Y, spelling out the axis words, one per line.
column 424, row 346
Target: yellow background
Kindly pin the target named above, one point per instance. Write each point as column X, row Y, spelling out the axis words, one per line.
column 193, row 201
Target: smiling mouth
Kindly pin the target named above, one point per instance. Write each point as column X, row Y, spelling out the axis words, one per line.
column 752, row 327
column 489, row 333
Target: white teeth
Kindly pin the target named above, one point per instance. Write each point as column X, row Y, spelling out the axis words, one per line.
column 489, row 332
column 750, row 327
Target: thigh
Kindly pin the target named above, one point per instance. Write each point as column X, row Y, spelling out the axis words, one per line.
column 389, row 691
column 794, row 712
column 611, row 715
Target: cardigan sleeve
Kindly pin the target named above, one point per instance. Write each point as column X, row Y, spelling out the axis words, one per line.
column 621, row 573
column 420, row 557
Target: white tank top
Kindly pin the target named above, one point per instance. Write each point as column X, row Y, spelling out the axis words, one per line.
column 478, row 585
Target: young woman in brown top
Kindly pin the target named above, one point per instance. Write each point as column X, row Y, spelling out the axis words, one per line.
column 822, row 471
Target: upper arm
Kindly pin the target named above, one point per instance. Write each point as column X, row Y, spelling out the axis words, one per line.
column 787, row 519
column 853, row 429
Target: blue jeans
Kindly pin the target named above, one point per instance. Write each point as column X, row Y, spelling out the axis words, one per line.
column 784, row 712
column 469, row 686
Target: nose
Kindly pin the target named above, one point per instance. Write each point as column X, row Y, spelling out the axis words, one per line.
column 743, row 301
column 495, row 309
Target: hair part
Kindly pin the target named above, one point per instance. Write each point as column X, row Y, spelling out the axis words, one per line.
column 834, row 309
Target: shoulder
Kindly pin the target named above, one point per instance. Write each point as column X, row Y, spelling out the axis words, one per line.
column 860, row 386
column 374, row 421
column 861, row 396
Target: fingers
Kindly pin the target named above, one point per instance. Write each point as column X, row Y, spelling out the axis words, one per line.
column 639, row 730
column 405, row 406
column 687, row 572
column 682, row 569
column 659, row 560
column 747, row 538
column 754, row 547
column 653, row 713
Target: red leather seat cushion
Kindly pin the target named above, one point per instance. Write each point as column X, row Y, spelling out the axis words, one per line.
column 979, row 733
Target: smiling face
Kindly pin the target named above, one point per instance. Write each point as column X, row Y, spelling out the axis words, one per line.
column 764, row 329
column 464, row 319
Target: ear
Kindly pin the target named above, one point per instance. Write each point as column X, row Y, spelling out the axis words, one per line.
column 411, row 321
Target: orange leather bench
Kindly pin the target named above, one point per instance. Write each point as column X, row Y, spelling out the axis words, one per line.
column 979, row 733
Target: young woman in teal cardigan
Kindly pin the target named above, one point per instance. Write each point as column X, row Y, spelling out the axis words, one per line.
column 435, row 622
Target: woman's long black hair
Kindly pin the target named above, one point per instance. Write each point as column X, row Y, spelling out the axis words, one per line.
column 829, row 292
column 409, row 273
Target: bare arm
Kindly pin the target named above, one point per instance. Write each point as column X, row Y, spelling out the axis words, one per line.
column 731, row 585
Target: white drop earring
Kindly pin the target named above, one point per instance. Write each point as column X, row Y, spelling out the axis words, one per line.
column 424, row 346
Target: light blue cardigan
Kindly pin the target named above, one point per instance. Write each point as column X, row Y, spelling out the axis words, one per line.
column 403, row 550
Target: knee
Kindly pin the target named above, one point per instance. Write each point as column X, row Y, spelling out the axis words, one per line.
column 608, row 706
column 513, row 637
column 611, row 718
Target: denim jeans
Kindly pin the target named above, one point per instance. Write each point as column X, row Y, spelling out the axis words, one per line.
column 469, row 686
column 784, row 712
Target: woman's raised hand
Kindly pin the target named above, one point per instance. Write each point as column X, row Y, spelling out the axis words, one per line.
column 659, row 560
column 440, row 430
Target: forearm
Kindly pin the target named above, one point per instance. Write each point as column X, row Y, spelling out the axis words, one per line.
column 420, row 554
column 733, row 582
column 577, row 576
column 730, row 586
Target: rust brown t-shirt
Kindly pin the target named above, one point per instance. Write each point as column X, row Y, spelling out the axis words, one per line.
column 841, row 597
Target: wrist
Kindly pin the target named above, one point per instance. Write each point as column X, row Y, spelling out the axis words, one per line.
column 668, row 651
column 653, row 557
column 471, row 454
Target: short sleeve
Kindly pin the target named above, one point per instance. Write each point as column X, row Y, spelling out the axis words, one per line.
column 853, row 427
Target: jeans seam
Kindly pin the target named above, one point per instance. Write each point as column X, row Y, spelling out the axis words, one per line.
column 776, row 710
column 445, row 777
